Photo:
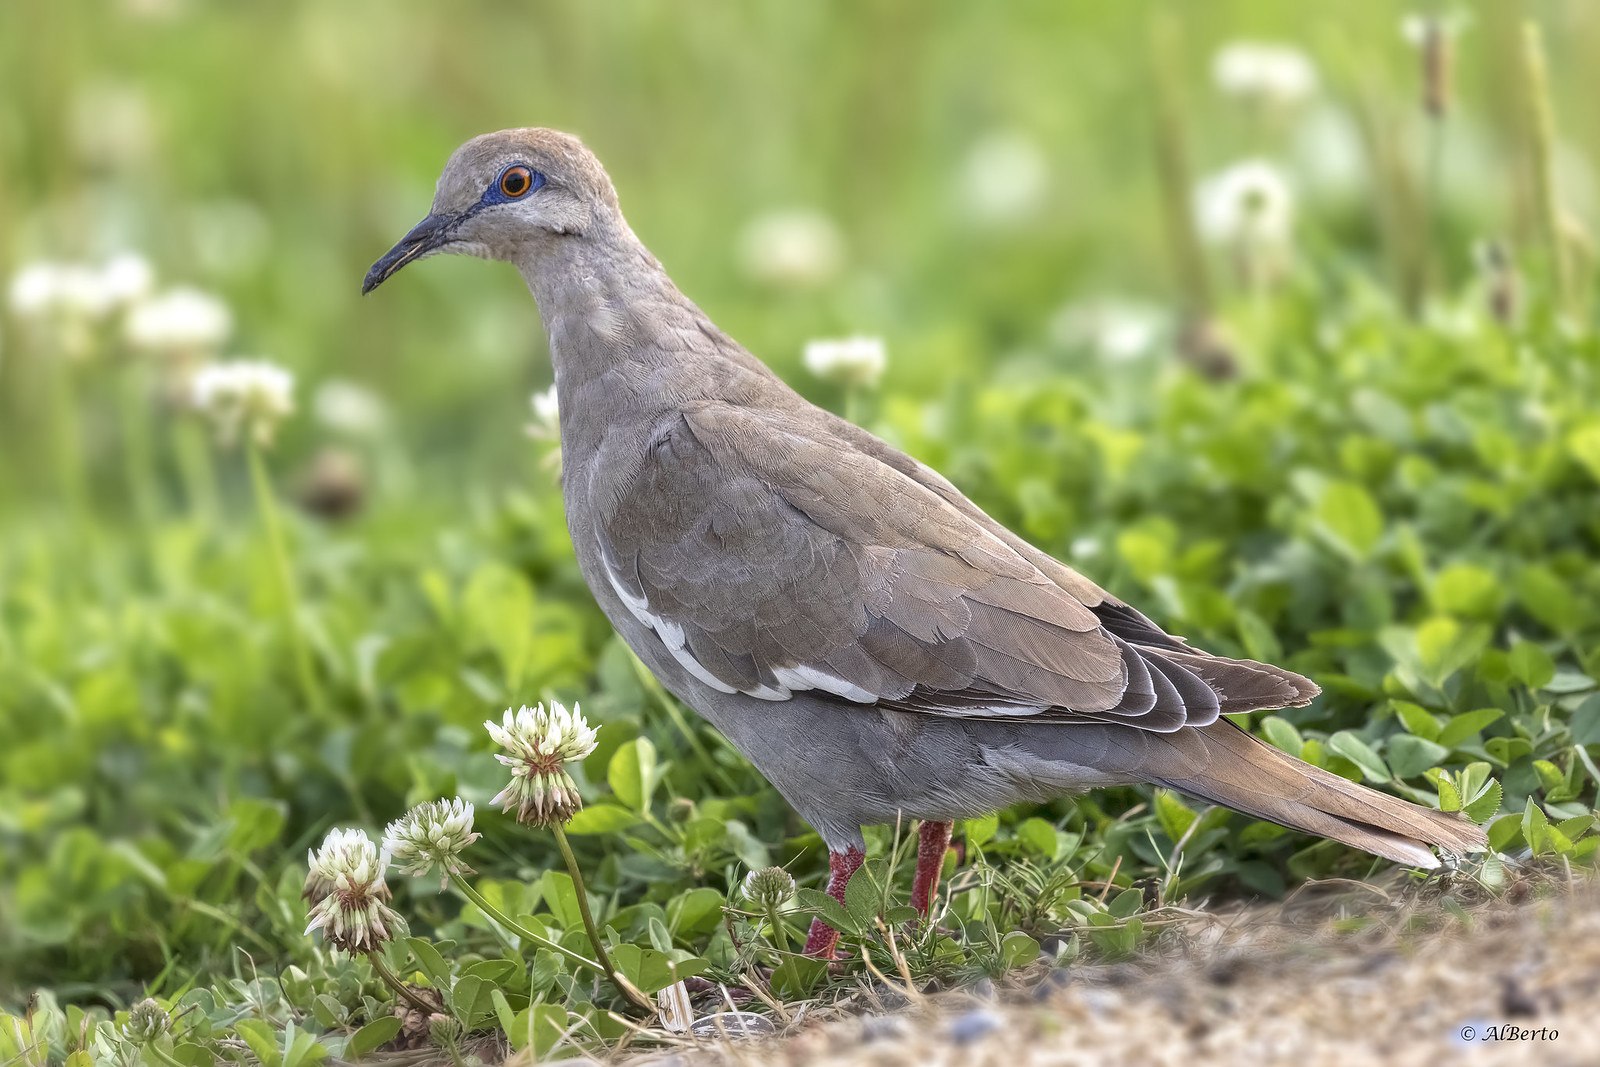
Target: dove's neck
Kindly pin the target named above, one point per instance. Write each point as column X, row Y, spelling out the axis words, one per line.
column 625, row 343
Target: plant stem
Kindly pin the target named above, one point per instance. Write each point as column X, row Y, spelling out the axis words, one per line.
column 163, row 1055
column 629, row 990
column 521, row 931
column 288, row 594
column 1542, row 137
column 780, row 936
column 194, row 464
column 392, row 980
column 137, row 453
column 1172, row 169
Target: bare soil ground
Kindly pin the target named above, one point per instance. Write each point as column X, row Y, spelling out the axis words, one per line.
column 1344, row 973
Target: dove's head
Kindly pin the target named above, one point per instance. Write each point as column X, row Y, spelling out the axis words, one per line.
column 509, row 195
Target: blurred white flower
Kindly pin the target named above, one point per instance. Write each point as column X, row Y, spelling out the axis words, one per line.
column 796, row 247
column 348, row 408
column 1116, row 329
column 1261, row 72
column 348, row 894
column 1416, row 28
column 181, row 321
column 49, row 290
column 546, row 424
column 1247, row 206
column 431, row 835
column 244, row 397
column 1004, row 178
column 127, row 277
column 848, row 361
column 539, row 744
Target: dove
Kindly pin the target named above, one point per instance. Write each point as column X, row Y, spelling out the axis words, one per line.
column 873, row 642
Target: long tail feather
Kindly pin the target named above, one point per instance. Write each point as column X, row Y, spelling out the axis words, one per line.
column 1227, row 766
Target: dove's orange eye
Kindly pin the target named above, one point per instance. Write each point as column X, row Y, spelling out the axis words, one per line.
column 516, row 181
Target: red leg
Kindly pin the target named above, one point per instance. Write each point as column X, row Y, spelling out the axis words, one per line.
column 841, row 865
column 933, row 838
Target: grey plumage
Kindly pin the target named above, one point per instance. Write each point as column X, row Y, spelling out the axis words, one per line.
column 869, row 638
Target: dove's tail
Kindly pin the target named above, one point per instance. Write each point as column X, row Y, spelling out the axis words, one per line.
column 1227, row 766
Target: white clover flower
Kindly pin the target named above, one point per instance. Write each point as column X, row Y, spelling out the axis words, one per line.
column 431, row 835
column 539, row 744
column 1004, row 178
column 1261, row 72
column 49, row 290
column 546, row 424
column 849, row 361
column 1117, row 330
column 348, row 894
column 244, row 397
column 126, row 278
column 796, row 247
column 768, row 888
column 348, row 408
column 147, row 1021
column 1249, row 205
column 181, row 322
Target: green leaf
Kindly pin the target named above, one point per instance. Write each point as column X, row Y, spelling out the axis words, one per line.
column 1466, row 590
column 1017, row 949
column 1551, row 777
column 1417, row 719
column 1409, row 756
column 497, row 610
column 601, row 819
column 1486, row 806
column 633, row 773
column 1532, row 665
column 1039, row 836
column 539, row 1027
column 1503, row 831
column 861, row 901
column 1535, row 827
column 1464, row 727
column 1126, row 903
column 825, row 908
column 696, row 912
column 561, row 897
column 262, row 1041
column 1174, row 815
column 979, row 832
column 1585, row 724
column 1357, row 751
column 379, row 1031
column 1349, row 519
column 1282, row 734
column 430, row 961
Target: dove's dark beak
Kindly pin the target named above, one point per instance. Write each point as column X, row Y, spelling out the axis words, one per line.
column 425, row 237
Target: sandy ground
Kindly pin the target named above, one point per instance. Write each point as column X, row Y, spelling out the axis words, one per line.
column 1343, row 974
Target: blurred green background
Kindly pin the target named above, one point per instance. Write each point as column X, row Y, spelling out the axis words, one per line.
column 1366, row 447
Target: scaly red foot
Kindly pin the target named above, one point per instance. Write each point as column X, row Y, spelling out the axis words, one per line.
column 822, row 939
column 933, row 839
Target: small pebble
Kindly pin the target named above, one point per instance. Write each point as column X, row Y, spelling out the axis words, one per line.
column 733, row 1024
column 1052, row 982
column 974, row 1025
column 884, row 1028
column 983, row 989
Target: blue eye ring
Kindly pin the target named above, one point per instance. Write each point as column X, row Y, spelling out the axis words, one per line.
column 514, row 183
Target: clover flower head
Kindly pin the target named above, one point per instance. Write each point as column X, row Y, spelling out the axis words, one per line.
column 539, row 743
column 849, row 361
column 546, row 424
column 1248, row 205
column 768, row 888
column 48, row 290
column 181, row 322
column 431, row 835
column 1263, row 72
column 147, row 1020
column 348, row 894
column 792, row 248
column 244, row 397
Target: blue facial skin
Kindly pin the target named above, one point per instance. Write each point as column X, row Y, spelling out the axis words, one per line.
column 493, row 195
